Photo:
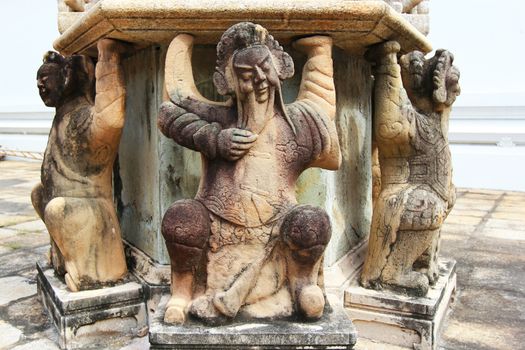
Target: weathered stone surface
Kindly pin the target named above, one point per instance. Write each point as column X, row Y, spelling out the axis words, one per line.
column 93, row 318
column 14, row 288
column 333, row 331
column 398, row 320
column 413, row 100
column 10, row 335
column 17, row 261
column 41, row 344
column 262, row 250
column 30, row 226
column 353, row 25
column 74, row 198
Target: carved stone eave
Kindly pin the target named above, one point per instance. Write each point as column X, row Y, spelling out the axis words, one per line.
column 354, row 25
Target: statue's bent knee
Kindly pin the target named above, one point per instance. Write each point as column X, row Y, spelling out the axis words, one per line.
column 306, row 230
column 186, row 229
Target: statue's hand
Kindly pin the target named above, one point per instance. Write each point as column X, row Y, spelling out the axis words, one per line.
column 383, row 53
column 112, row 49
column 314, row 45
column 234, row 143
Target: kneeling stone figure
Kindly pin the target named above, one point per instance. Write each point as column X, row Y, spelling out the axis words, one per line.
column 74, row 198
column 412, row 105
column 244, row 245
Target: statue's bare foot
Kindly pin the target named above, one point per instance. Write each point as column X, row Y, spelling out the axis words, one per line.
column 70, row 283
column 311, row 301
column 176, row 310
column 415, row 283
column 203, row 309
column 433, row 274
column 227, row 304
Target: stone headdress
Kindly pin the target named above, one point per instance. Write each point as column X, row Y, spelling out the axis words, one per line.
column 440, row 80
column 242, row 36
column 77, row 73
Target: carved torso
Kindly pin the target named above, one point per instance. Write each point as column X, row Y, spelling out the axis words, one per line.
column 425, row 155
column 69, row 168
column 260, row 187
column 431, row 162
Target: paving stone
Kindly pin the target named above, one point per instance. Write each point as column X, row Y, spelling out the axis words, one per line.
column 42, row 344
column 468, row 205
column 366, row 344
column 463, row 220
column 30, row 226
column 9, row 335
column 505, row 224
column 10, row 219
column 18, row 260
column 482, row 196
column 457, row 229
column 5, row 250
column 468, row 212
column 25, row 240
column 137, row 344
column 480, row 191
column 14, row 288
column 9, row 207
column 504, row 234
column 472, row 333
column 28, row 315
column 509, row 207
column 517, row 195
column 6, row 232
column 509, row 216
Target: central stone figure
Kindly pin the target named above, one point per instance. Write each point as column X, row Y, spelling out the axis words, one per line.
column 244, row 245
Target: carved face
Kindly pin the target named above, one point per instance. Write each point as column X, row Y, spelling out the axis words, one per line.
column 413, row 70
column 255, row 73
column 50, row 83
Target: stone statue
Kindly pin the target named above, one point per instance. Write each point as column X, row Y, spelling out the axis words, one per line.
column 404, row 6
column 74, row 198
column 244, row 245
column 413, row 100
column 76, row 5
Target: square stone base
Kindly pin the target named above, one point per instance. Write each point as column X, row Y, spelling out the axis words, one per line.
column 333, row 331
column 95, row 318
column 387, row 317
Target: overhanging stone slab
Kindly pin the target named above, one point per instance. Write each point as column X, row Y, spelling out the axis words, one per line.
column 354, row 25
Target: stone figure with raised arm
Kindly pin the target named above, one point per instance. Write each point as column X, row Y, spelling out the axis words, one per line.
column 75, row 197
column 244, row 245
column 412, row 104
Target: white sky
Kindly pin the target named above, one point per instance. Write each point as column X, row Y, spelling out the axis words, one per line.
column 487, row 39
column 28, row 29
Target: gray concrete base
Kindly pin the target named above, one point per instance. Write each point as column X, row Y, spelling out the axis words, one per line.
column 333, row 331
column 93, row 318
column 391, row 318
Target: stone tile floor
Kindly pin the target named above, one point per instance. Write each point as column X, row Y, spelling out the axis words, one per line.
column 485, row 233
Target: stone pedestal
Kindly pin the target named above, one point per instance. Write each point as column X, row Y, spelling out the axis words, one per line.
column 410, row 322
column 333, row 331
column 98, row 318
